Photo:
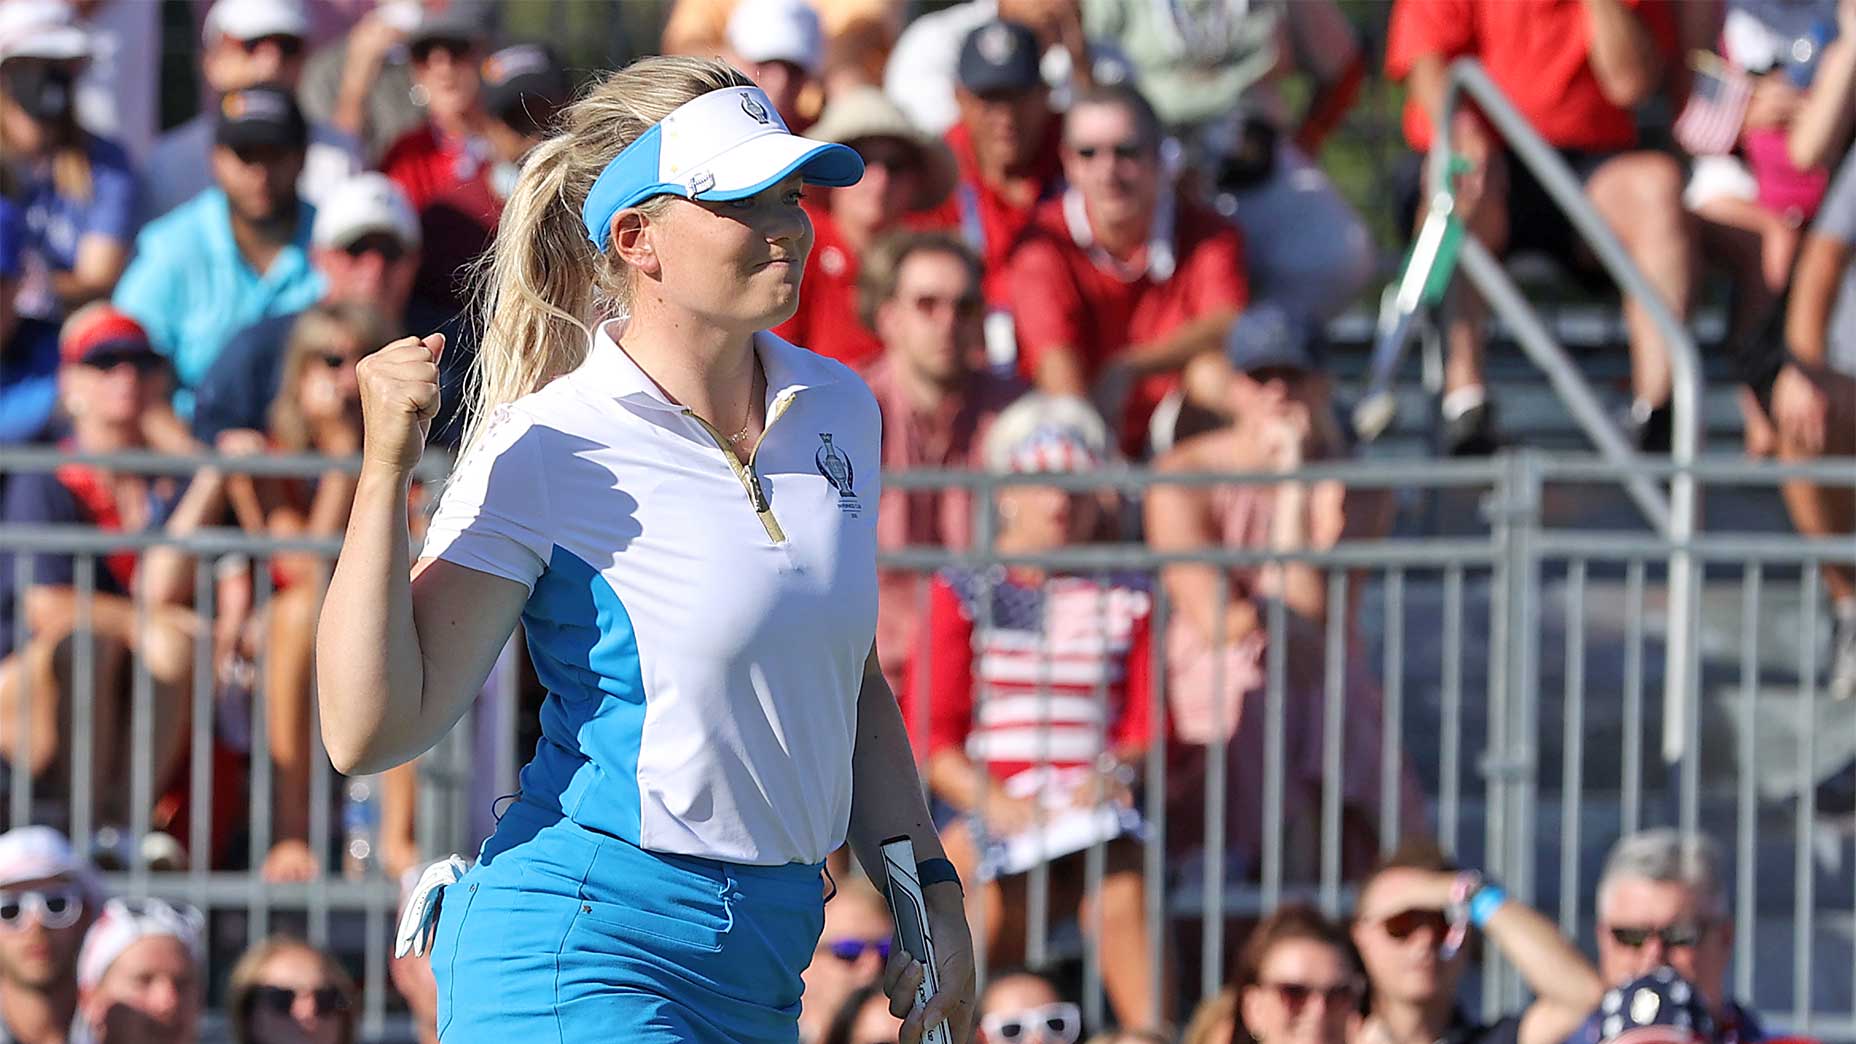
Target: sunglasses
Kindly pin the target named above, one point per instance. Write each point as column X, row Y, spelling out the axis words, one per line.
column 143, row 362
column 1126, row 150
column 288, row 46
column 1296, row 995
column 280, row 1000
column 1061, row 1022
column 965, row 307
column 53, row 909
column 263, row 155
column 387, row 247
column 883, row 152
column 850, row 951
column 1406, row 923
column 1672, row 936
column 456, row 50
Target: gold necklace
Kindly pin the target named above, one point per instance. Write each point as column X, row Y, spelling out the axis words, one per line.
column 746, row 422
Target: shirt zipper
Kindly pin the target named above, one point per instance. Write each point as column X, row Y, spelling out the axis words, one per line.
column 745, row 473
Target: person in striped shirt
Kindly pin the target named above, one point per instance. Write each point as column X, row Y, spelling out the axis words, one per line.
column 1031, row 699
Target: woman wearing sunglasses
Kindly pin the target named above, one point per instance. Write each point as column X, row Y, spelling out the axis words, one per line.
column 285, row 991
column 1299, row 980
column 1415, row 918
column 1024, row 1007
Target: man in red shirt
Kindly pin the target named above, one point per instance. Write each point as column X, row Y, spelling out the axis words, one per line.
column 1005, row 145
column 449, row 149
column 1121, row 282
column 924, row 300
column 906, row 175
column 1575, row 69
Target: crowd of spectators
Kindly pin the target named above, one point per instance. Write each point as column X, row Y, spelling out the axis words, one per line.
column 1089, row 232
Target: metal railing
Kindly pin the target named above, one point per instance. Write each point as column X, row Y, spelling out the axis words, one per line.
column 1437, row 252
column 1515, row 670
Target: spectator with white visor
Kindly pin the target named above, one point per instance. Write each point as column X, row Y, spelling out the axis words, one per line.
column 48, row 899
column 246, row 43
column 1215, row 71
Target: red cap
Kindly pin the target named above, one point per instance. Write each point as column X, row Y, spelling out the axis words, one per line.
column 94, row 330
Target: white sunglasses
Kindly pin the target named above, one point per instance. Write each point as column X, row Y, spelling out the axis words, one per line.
column 1059, row 1023
column 53, row 908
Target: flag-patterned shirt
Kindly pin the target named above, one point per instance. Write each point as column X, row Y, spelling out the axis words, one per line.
column 1020, row 674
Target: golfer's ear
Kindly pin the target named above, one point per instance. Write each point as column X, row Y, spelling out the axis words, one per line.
column 633, row 239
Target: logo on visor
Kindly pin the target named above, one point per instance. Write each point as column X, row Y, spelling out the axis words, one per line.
column 754, row 109
column 837, row 470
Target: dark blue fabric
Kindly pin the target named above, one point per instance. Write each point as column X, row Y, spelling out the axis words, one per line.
column 238, row 390
column 28, row 382
column 56, row 223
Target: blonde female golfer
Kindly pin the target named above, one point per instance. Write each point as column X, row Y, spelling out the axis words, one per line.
column 680, row 508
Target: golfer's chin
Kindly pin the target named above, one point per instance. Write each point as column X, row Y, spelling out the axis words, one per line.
column 777, row 302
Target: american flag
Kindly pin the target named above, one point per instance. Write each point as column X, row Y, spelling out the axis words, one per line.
column 1710, row 122
column 1042, row 654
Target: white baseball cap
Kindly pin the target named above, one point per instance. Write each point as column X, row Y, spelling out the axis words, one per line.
column 778, row 31
column 727, row 144
column 365, row 202
column 125, row 922
column 256, row 19
column 41, row 29
column 37, row 853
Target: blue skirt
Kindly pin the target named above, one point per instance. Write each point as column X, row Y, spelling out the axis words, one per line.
column 577, row 936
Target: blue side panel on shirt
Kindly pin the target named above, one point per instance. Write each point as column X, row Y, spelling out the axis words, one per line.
column 581, row 640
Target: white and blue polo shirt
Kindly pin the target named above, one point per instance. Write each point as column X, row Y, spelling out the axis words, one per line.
column 702, row 657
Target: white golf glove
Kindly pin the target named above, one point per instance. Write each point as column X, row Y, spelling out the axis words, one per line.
column 419, row 917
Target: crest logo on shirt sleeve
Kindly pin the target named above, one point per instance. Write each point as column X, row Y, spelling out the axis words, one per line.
column 837, row 470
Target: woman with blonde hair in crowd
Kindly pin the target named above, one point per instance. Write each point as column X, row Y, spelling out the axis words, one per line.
column 285, row 991
column 680, row 509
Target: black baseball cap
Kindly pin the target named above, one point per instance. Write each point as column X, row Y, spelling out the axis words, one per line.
column 1268, row 336
column 1000, row 56
column 262, row 115
column 524, row 86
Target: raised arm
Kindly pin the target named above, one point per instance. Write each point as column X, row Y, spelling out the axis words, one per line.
column 1824, row 122
column 1566, row 987
column 401, row 653
column 1179, row 519
column 1624, row 55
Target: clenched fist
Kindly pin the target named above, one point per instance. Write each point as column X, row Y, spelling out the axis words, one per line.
column 399, row 398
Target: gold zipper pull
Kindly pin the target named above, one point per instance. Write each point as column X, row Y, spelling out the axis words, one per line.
column 756, row 493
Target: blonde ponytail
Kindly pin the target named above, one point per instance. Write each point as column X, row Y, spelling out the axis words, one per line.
column 542, row 285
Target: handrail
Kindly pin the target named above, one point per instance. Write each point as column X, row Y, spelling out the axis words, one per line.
column 1466, row 75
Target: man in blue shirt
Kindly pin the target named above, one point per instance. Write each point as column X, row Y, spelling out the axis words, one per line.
column 235, row 253
column 365, row 244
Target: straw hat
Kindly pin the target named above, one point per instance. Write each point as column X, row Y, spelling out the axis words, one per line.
column 866, row 112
